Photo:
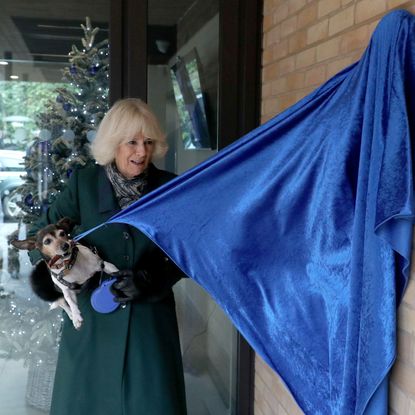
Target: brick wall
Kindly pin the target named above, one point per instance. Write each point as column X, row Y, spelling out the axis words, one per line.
column 305, row 42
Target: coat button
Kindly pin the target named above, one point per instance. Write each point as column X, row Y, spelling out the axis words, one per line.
column 126, row 235
column 126, row 257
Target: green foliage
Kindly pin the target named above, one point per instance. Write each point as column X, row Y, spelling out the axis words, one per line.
column 35, row 96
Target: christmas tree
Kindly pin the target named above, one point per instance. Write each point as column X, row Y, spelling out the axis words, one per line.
column 67, row 125
column 29, row 331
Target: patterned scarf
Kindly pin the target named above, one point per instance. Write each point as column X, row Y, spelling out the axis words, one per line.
column 126, row 190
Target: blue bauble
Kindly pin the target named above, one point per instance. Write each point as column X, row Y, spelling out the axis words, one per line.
column 73, row 70
column 90, row 135
column 69, row 173
column 28, row 200
column 93, row 69
column 59, row 99
column 67, row 106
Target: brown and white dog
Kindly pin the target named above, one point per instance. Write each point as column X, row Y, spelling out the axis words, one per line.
column 67, row 265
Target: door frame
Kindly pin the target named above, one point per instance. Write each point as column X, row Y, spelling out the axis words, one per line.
column 240, row 37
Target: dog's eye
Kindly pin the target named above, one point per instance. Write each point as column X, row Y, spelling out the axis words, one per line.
column 62, row 233
column 47, row 241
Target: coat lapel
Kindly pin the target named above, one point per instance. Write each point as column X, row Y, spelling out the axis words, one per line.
column 106, row 196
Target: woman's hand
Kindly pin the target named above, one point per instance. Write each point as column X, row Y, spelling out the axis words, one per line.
column 130, row 285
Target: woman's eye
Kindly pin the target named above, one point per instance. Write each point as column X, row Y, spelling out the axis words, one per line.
column 148, row 141
column 132, row 142
column 47, row 241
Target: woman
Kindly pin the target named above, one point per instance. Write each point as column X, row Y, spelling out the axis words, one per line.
column 128, row 361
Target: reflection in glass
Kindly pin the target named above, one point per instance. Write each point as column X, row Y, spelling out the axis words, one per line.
column 183, row 91
column 191, row 106
column 33, row 55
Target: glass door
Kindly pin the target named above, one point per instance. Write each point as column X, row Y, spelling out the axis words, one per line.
column 182, row 88
column 45, row 94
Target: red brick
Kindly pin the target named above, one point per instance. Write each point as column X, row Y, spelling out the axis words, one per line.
column 270, row 72
column 356, row 39
column 398, row 401
column 328, row 6
column 295, row 5
column 328, row 49
column 341, row 21
column 297, row 42
column 270, row 107
column 395, row 3
column 274, row 35
column 266, row 90
column 268, row 5
column 307, row 16
column 366, row 9
column 281, row 13
column 409, row 297
column 286, row 65
column 371, row 28
column 318, row 32
column 267, row 56
column 288, row 26
column 315, row 76
column 406, row 318
column 295, row 81
column 279, row 86
column 405, row 347
column 280, row 50
column 404, row 377
column 267, row 23
column 305, row 58
column 266, row 117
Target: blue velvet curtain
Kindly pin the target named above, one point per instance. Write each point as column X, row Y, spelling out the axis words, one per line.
column 302, row 229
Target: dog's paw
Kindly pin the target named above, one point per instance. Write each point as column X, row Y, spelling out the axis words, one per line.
column 77, row 322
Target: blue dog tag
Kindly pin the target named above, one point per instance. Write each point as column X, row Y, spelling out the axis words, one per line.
column 102, row 299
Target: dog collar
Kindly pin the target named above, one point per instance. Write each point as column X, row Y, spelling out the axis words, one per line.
column 67, row 263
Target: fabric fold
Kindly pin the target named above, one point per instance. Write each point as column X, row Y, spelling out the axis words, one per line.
column 301, row 229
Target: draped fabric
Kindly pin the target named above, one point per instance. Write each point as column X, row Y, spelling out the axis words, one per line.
column 301, row 230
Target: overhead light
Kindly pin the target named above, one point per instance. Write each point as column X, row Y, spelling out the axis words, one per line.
column 14, row 76
column 4, row 63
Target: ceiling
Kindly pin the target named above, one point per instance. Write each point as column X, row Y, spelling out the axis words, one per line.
column 41, row 32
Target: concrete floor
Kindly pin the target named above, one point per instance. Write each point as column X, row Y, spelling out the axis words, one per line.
column 13, row 378
column 13, row 381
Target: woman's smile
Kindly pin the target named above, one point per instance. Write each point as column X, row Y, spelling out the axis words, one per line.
column 133, row 156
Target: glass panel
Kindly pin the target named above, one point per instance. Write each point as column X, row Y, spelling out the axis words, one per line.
column 183, row 45
column 43, row 94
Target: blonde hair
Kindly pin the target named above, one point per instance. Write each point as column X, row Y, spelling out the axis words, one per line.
column 124, row 120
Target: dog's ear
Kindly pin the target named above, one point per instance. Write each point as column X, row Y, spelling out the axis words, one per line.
column 26, row 244
column 67, row 224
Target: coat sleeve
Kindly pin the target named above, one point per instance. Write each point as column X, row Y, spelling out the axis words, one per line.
column 66, row 204
column 163, row 272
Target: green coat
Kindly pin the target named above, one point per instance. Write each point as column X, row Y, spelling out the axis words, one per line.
column 127, row 362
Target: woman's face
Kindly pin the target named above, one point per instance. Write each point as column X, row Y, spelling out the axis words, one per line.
column 134, row 156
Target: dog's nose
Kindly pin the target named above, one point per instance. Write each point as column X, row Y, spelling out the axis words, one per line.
column 65, row 247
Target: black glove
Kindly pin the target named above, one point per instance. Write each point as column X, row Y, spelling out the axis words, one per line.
column 152, row 283
column 130, row 285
